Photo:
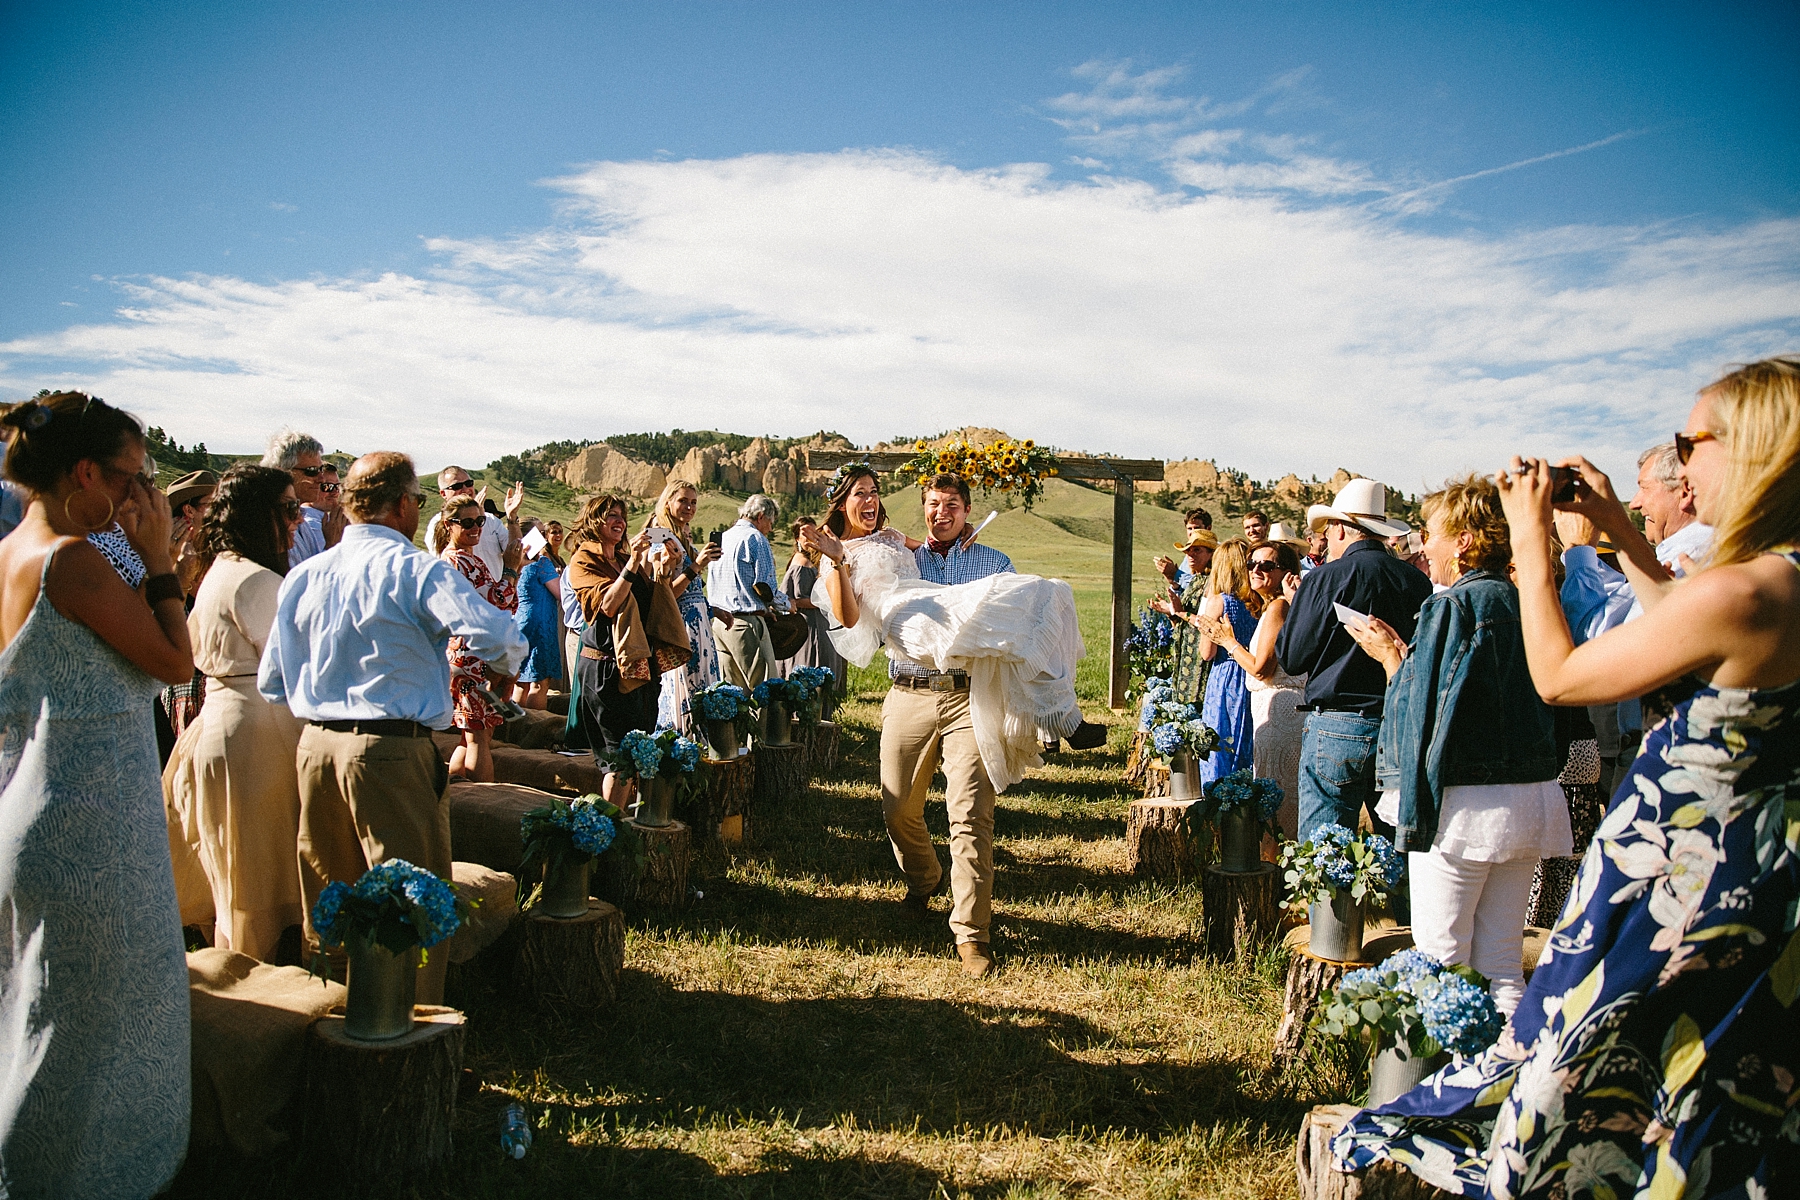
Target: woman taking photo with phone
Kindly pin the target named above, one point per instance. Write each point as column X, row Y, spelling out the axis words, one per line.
column 1657, row 1048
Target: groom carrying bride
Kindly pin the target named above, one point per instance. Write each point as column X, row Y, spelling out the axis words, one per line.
column 990, row 672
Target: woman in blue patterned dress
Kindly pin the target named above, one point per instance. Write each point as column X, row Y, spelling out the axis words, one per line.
column 1657, row 1050
column 1225, row 706
column 94, row 1036
column 674, row 512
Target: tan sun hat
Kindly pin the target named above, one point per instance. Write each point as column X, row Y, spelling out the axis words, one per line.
column 1200, row 537
column 1279, row 532
column 1363, row 503
column 190, row 487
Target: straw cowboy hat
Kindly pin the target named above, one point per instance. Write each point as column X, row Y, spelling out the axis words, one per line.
column 190, row 487
column 1200, row 537
column 1279, row 532
column 1363, row 503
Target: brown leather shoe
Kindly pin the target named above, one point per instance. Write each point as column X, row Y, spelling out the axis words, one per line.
column 976, row 961
column 917, row 904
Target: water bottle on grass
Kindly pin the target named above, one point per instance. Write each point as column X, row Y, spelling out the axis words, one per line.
column 515, row 1131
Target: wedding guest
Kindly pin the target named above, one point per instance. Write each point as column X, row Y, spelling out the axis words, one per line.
column 497, row 532
column 476, row 718
column 1275, row 696
column 1256, row 527
column 1180, row 573
column 685, row 567
column 1666, row 500
column 1345, row 688
column 1467, row 762
column 1656, row 1048
column 540, row 589
column 802, row 575
column 358, row 652
column 1226, row 705
column 573, row 624
column 230, row 787
column 634, row 631
column 1190, row 664
column 177, row 706
column 303, row 457
column 93, row 981
column 1317, row 552
column 745, row 560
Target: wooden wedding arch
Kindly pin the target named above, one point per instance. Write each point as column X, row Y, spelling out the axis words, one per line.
column 1123, row 473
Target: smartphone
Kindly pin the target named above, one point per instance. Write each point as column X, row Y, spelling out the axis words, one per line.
column 1562, row 484
column 716, row 535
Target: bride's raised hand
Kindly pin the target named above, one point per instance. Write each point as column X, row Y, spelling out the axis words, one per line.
column 821, row 540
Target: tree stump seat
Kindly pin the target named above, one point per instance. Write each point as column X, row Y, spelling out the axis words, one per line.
column 1240, row 910
column 661, row 881
column 782, row 773
column 374, row 1113
column 1320, row 1181
column 821, row 742
column 729, row 785
column 1157, row 845
column 573, row 963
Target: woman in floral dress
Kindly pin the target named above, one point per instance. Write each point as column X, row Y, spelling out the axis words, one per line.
column 457, row 536
column 1657, row 1049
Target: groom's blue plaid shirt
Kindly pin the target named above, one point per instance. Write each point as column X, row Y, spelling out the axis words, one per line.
column 959, row 566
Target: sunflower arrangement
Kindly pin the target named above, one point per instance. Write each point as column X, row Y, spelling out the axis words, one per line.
column 1005, row 466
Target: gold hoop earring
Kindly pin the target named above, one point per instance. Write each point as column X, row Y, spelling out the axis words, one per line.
column 88, row 526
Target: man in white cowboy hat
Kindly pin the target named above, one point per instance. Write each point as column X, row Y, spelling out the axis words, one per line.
column 1345, row 687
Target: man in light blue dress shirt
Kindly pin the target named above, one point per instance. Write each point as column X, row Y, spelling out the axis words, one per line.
column 358, row 652
column 746, row 655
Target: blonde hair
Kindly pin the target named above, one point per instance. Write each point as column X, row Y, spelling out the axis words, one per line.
column 1231, row 574
column 1756, row 414
column 1471, row 505
column 662, row 514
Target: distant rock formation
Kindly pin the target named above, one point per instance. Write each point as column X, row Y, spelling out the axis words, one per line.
column 600, row 468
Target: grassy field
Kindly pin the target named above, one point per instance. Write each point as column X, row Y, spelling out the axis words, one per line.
column 793, row 1034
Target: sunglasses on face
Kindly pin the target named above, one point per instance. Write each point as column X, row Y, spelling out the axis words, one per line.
column 1264, row 566
column 311, row 472
column 467, row 522
column 416, row 497
column 461, row 485
column 330, row 488
column 291, row 508
column 1684, row 444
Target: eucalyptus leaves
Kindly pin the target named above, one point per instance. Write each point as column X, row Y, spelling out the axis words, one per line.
column 1414, row 1000
column 1334, row 860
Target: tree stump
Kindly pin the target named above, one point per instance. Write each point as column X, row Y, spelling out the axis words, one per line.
column 573, row 963
column 729, row 784
column 1310, row 979
column 781, row 774
column 374, row 1113
column 1239, row 909
column 1156, row 780
column 1319, row 1181
column 1157, row 845
column 821, row 745
column 662, row 880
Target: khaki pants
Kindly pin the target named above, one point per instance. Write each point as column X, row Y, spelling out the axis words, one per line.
column 746, row 656
column 363, row 800
column 917, row 729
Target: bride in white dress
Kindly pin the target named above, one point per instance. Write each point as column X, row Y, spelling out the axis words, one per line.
column 1015, row 636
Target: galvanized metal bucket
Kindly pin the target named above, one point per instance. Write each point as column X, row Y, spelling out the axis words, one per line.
column 656, row 808
column 381, row 988
column 566, row 890
column 1337, row 928
column 1184, row 776
column 1240, row 840
column 722, row 739
column 777, row 723
column 1396, row 1072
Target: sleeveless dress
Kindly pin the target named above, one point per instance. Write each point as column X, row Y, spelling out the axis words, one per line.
column 467, row 671
column 702, row 671
column 1226, row 706
column 94, row 1083
column 1657, row 1050
column 1276, row 725
column 537, row 622
column 1015, row 636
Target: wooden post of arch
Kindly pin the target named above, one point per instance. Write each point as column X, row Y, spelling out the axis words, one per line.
column 1123, row 473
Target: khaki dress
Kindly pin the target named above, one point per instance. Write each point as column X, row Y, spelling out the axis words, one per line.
column 230, row 788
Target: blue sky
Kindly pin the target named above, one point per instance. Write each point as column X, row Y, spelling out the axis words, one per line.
column 1280, row 235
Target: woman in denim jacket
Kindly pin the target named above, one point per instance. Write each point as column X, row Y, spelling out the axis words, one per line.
column 1467, row 755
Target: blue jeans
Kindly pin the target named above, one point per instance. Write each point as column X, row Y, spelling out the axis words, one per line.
column 1337, row 771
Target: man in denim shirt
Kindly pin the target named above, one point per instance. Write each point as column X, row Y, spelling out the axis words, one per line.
column 1345, row 688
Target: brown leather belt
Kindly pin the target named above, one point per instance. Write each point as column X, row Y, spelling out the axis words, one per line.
column 380, row 728
column 933, row 683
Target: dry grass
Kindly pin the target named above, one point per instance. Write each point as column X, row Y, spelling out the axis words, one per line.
column 794, row 1034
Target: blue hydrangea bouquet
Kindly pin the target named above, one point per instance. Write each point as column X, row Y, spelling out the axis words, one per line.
column 796, row 691
column 1151, row 648
column 1334, row 860
column 823, row 684
column 395, row 905
column 1173, row 726
column 665, row 753
column 1414, row 1000
column 570, row 833
column 726, row 702
column 1240, row 793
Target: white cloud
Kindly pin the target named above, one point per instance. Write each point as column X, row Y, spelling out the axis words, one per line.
column 884, row 293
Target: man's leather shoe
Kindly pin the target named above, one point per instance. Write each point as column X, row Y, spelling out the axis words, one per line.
column 976, row 961
column 1087, row 735
column 917, row 904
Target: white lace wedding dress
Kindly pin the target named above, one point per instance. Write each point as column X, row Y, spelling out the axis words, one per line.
column 1015, row 635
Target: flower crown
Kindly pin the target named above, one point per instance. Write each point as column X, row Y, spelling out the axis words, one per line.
column 842, row 475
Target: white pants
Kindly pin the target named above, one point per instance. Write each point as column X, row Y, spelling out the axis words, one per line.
column 1473, row 913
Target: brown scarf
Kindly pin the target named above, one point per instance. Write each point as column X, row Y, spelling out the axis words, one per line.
column 637, row 636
